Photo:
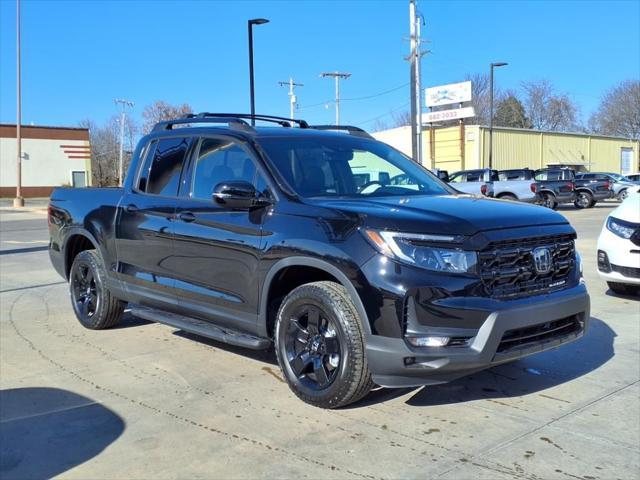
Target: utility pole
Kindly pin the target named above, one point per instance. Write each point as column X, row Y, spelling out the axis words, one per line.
column 18, row 201
column 292, row 95
column 416, row 100
column 123, row 105
column 337, row 76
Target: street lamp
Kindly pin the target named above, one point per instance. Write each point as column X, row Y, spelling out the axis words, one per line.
column 493, row 65
column 250, row 24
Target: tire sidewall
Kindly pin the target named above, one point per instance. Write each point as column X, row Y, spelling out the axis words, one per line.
column 339, row 388
column 90, row 259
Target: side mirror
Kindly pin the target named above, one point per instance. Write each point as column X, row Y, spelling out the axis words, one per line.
column 443, row 175
column 237, row 194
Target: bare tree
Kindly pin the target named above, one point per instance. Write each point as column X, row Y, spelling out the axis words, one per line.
column 480, row 96
column 548, row 109
column 619, row 111
column 105, row 148
column 159, row 111
column 400, row 119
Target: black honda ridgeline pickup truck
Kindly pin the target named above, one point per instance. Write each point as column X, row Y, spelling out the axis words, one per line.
column 299, row 236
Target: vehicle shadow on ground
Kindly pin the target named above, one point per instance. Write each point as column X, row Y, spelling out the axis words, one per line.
column 611, row 293
column 45, row 432
column 265, row 356
column 529, row 375
column 129, row 321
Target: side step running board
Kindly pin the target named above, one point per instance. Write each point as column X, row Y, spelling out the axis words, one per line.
column 200, row 327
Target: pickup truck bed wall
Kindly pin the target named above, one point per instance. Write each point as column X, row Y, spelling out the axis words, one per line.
column 86, row 213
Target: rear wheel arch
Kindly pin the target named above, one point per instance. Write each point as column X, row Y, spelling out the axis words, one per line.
column 77, row 241
column 313, row 270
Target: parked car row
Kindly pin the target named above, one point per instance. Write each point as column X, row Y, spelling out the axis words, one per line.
column 549, row 187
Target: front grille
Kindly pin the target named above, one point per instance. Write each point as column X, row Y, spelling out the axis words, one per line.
column 523, row 337
column 630, row 272
column 507, row 267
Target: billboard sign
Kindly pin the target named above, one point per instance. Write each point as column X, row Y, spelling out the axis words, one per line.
column 448, row 94
column 453, row 114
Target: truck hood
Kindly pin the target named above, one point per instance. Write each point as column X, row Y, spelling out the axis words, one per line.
column 445, row 214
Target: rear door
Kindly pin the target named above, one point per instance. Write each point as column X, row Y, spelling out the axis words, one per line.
column 144, row 230
column 217, row 249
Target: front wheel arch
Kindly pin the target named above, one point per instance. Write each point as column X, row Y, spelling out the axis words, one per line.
column 326, row 267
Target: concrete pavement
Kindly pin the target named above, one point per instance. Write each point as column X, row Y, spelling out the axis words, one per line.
column 146, row 401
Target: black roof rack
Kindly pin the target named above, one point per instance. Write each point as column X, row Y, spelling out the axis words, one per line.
column 191, row 118
column 232, row 119
column 357, row 131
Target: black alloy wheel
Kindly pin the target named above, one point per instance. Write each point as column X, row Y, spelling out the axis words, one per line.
column 320, row 344
column 312, row 347
column 84, row 291
column 92, row 302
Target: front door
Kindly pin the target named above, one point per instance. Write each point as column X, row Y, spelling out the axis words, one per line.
column 217, row 250
column 144, row 231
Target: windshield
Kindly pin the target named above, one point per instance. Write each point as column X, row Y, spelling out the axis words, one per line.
column 619, row 178
column 346, row 166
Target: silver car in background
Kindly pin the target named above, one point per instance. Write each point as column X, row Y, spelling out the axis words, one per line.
column 474, row 181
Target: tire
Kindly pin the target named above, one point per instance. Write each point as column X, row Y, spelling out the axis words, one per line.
column 319, row 342
column 624, row 289
column 508, row 196
column 549, row 201
column 583, row 199
column 93, row 304
column 622, row 194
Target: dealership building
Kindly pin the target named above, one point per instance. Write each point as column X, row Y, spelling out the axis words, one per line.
column 51, row 157
column 467, row 147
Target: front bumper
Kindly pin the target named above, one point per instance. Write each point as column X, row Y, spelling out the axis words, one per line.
column 622, row 258
column 394, row 363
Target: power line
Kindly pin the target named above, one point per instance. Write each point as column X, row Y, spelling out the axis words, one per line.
column 337, row 76
column 390, row 112
column 366, row 97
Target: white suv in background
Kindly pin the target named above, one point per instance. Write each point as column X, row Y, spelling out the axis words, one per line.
column 619, row 247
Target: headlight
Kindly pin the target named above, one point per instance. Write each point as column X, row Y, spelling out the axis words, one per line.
column 410, row 248
column 621, row 228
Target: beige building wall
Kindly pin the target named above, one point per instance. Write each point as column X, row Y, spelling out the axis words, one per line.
column 50, row 155
column 514, row 148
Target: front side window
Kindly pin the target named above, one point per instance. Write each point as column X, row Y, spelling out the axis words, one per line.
column 347, row 166
column 163, row 167
column 457, row 178
column 220, row 161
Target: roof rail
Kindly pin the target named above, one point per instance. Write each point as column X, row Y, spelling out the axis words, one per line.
column 193, row 118
column 282, row 121
column 357, row 131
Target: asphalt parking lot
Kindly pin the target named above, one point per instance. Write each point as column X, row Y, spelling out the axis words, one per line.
column 146, row 401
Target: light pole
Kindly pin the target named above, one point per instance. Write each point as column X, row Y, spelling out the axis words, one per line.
column 18, row 201
column 123, row 104
column 250, row 24
column 493, row 65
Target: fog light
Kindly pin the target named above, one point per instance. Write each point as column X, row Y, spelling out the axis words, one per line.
column 603, row 262
column 428, row 341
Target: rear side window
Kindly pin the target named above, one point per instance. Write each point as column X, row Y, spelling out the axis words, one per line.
column 163, row 167
column 220, row 161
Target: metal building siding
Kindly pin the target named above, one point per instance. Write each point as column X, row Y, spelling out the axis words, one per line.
column 512, row 149
column 605, row 154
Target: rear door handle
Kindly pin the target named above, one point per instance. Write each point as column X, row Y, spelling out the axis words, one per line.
column 186, row 216
column 131, row 208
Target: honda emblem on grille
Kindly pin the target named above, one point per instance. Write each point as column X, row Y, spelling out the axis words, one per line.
column 542, row 260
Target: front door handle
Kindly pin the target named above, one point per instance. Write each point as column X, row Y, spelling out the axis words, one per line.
column 131, row 208
column 186, row 216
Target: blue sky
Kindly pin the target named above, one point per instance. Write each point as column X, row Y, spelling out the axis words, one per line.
column 80, row 55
